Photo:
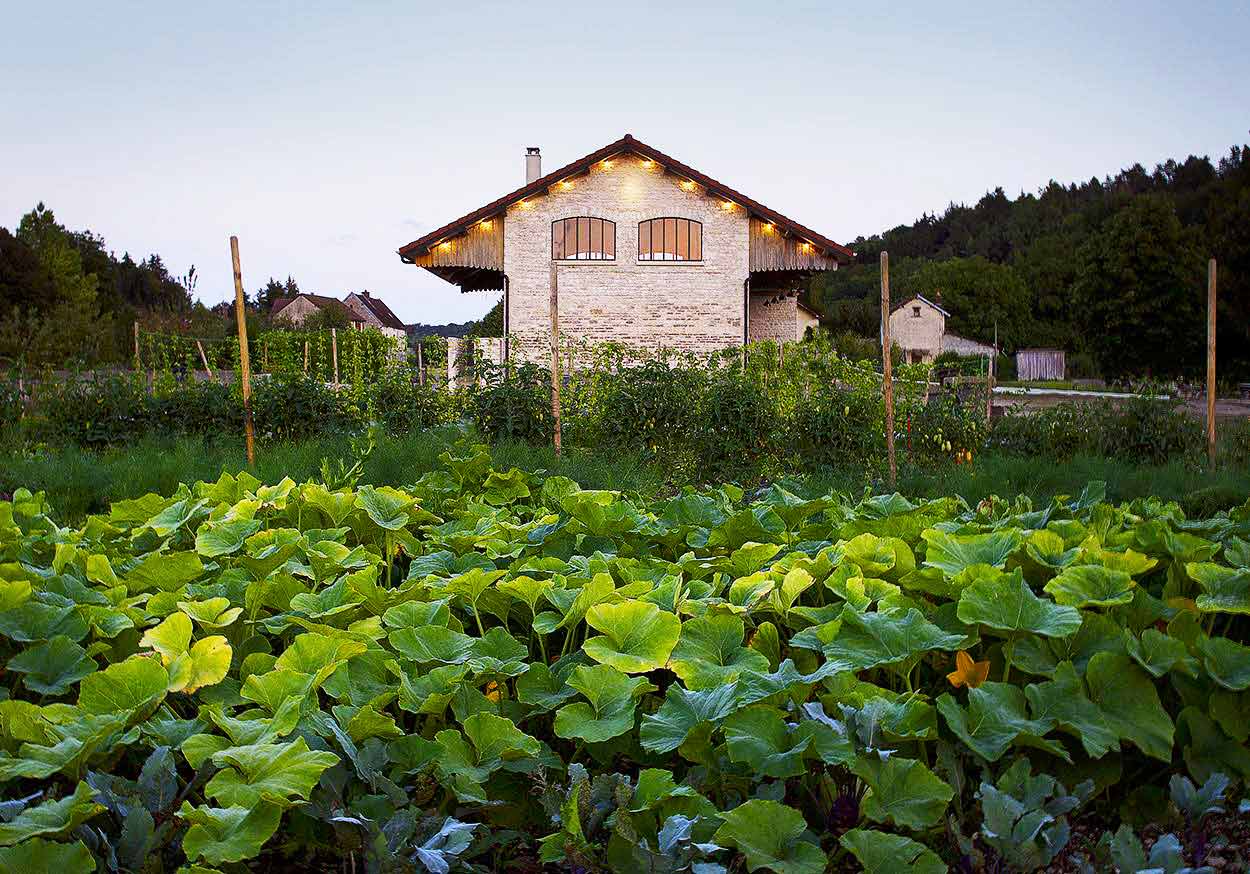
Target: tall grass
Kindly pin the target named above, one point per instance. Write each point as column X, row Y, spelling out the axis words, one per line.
column 79, row 482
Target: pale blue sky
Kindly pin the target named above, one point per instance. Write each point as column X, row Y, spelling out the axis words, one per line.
column 327, row 135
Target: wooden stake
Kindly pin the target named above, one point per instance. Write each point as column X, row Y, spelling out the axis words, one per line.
column 1211, row 361
column 138, row 365
column 555, row 357
column 420, row 363
column 334, row 353
column 305, row 357
column 204, row 359
column 887, row 366
column 245, row 364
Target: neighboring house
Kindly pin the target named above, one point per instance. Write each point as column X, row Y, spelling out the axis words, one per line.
column 649, row 252
column 375, row 314
column 806, row 318
column 918, row 327
column 359, row 310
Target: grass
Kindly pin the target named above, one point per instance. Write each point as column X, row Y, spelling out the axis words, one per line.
column 79, row 482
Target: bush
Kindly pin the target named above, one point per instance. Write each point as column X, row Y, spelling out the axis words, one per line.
column 1138, row 430
column 1081, row 365
column 514, row 403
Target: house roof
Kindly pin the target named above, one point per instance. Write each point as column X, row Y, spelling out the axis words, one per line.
column 921, row 297
column 379, row 308
column 321, row 301
column 626, row 143
column 805, row 308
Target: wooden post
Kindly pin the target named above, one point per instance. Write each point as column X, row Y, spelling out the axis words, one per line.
column 334, row 354
column 887, row 366
column 420, row 363
column 245, row 363
column 1211, row 361
column 204, row 359
column 138, row 365
column 555, row 357
column 305, row 357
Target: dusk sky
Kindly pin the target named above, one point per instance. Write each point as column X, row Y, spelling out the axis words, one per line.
column 327, row 135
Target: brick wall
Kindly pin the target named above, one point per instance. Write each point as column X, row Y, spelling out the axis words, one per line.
column 921, row 334
column 778, row 320
column 693, row 306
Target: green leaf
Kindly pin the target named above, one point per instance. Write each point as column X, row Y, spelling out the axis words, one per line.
column 51, row 817
column 882, row 853
column 769, row 834
column 52, row 667
column 613, row 700
column 387, row 507
column 902, row 791
column 213, row 613
column 38, row 856
column 1158, row 653
column 280, row 773
column 190, row 668
column 1091, row 585
column 232, row 834
column 682, row 712
column 166, row 571
column 710, row 652
column 1128, row 699
column 216, row 539
column 952, row 553
column 637, row 636
column 1064, row 702
column 136, row 684
column 158, row 780
column 995, row 719
column 866, row 640
column 1227, row 661
column 491, row 742
column 760, row 737
column 1224, row 590
column 1008, row 604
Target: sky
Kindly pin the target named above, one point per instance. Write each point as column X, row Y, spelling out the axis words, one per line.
column 327, row 135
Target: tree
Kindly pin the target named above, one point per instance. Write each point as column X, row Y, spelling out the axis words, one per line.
column 1140, row 287
column 491, row 324
column 979, row 294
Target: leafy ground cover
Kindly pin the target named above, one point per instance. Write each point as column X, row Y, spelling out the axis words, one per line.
column 497, row 670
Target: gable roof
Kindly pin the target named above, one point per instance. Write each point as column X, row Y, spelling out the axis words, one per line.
column 320, row 301
column 921, row 297
column 808, row 309
column 626, row 143
column 379, row 308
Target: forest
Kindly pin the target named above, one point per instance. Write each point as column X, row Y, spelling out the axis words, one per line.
column 1113, row 271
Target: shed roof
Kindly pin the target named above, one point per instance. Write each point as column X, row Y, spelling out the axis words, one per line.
column 625, row 144
column 921, row 297
column 378, row 307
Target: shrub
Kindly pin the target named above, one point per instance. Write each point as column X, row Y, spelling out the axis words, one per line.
column 297, row 406
column 514, row 403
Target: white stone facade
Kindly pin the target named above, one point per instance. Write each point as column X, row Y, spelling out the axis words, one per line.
column 917, row 327
column 696, row 306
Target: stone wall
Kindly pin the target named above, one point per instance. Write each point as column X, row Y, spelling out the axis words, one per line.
column 696, row 306
column 774, row 319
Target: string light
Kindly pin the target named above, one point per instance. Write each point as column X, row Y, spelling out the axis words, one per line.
column 445, row 245
column 485, row 225
column 687, row 185
column 648, row 163
column 566, row 185
column 728, row 204
column 607, row 165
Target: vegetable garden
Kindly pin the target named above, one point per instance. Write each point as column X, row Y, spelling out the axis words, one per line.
column 499, row 671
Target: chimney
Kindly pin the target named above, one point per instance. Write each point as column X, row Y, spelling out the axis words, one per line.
column 533, row 164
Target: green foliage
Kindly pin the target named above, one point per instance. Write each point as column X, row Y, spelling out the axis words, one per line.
column 492, row 668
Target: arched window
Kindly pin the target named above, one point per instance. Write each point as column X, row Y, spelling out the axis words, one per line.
column 670, row 239
column 583, row 238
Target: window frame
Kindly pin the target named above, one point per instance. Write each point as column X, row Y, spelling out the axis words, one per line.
column 577, row 224
column 679, row 238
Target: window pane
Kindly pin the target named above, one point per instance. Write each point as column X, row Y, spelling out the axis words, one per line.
column 609, row 239
column 644, row 240
column 557, row 239
column 570, row 238
column 583, row 238
column 683, row 240
column 670, row 238
column 596, row 238
column 696, row 241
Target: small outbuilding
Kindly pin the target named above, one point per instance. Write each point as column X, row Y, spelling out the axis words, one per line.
column 1034, row 365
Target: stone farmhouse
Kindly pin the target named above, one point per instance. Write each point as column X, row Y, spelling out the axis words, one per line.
column 361, row 310
column 918, row 327
column 647, row 251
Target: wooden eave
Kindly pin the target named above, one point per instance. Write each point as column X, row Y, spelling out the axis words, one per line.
column 825, row 253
